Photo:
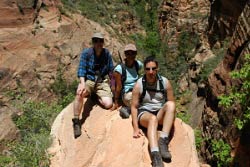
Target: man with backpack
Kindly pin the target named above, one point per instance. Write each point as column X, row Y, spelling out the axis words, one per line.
column 93, row 72
column 152, row 104
column 125, row 77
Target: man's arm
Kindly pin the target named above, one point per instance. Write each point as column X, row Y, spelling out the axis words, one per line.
column 82, row 72
column 134, row 110
column 169, row 91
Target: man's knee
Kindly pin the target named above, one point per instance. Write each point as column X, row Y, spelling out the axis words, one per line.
column 127, row 98
column 169, row 106
column 107, row 102
column 153, row 119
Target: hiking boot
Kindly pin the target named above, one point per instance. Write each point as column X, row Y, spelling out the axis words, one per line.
column 124, row 112
column 77, row 127
column 156, row 159
column 163, row 146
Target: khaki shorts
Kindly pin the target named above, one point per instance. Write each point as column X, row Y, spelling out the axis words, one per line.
column 101, row 89
column 127, row 99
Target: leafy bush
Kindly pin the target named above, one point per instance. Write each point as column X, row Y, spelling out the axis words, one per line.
column 5, row 160
column 240, row 95
column 221, row 153
column 36, row 117
column 187, row 41
column 31, row 151
column 198, row 138
column 209, row 66
column 65, row 91
column 34, row 126
column 184, row 116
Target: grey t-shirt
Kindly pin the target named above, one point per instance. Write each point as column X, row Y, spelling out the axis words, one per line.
column 153, row 101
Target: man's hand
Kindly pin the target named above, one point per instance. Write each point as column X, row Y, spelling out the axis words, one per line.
column 115, row 106
column 81, row 89
column 138, row 133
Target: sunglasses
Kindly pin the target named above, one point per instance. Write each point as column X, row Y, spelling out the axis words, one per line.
column 151, row 68
column 97, row 40
column 130, row 53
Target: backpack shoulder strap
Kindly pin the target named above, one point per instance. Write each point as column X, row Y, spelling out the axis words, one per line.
column 162, row 87
column 124, row 75
column 137, row 66
column 143, row 88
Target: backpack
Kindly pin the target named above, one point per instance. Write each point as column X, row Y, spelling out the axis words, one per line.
column 144, row 88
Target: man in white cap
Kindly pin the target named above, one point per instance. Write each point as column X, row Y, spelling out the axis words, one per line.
column 126, row 76
column 94, row 68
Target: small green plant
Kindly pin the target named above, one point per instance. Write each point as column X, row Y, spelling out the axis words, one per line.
column 198, row 138
column 221, row 153
column 5, row 160
column 184, row 116
column 209, row 65
column 240, row 95
column 187, row 41
column 65, row 91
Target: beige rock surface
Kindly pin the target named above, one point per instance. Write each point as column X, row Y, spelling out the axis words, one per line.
column 107, row 141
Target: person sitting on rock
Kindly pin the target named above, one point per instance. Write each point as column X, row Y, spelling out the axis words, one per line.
column 153, row 103
column 125, row 77
column 93, row 71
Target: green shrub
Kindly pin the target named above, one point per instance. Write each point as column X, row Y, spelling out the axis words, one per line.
column 198, row 138
column 187, row 41
column 34, row 126
column 65, row 91
column 32, row 150
column 184, row 116
column 240, row 95
column 5, row 160
column 208, row 66
column 36, row 117
column 221, row 153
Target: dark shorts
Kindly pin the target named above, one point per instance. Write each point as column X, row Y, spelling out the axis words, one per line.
column 141, row 112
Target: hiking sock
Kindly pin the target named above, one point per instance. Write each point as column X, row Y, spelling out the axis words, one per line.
column 76, row 116
column 154, row 149
column 163, row 134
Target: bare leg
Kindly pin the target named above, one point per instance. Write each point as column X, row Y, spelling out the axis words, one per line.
column 78, row 104
column 166, row 116
column 150, row 121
